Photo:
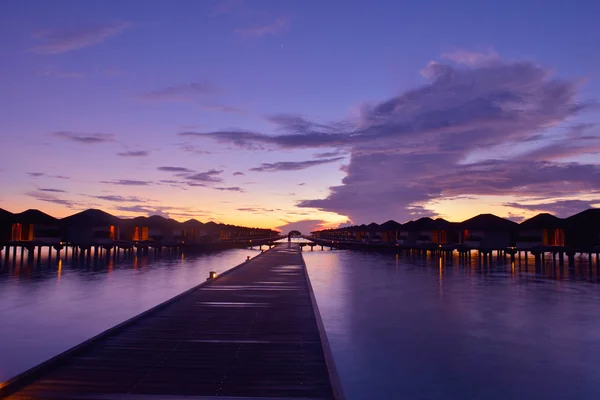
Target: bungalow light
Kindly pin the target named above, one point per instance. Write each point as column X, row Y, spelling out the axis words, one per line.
column 212, row 275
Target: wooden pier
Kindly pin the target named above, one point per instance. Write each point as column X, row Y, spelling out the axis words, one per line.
column 253, row 332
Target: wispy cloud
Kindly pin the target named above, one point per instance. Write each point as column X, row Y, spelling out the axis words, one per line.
column 121, row 199
column 560, row 208
column 51, row 198
column 330, row 154
column 52, row 190
column 230, row 189
column 134, row 153
column 258, row 210
column 190, row 148
column 211, row 176
column 293, row 165
column 86, row 138
column 174, row 169
column 44, row 175
column 271, row 28
column 128, row 182
column 238, row 174
column 55, row 41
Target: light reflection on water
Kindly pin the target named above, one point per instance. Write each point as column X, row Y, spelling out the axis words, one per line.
column 429, row 329
column 47, row 309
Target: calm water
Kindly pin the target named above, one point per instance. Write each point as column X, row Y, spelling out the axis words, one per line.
column 48, row 309
column 398, row 327
column 426, row 330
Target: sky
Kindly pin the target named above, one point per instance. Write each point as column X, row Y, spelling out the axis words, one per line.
column 300, row 114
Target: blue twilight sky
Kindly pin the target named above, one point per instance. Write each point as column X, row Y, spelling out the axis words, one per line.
column 267, row 113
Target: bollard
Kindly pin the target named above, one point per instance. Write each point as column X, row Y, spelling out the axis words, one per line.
column 248, row 258
column 211, row 275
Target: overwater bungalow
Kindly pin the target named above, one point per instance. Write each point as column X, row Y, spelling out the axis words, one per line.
column 374, row 233
column 542, row 230
column 91, row 227
column 487, row 231
column 390, row 231
column 427, row 231
column 154, row 229
column 193, row 231
column 582, row 231
column 6, row 223
column 34, row 225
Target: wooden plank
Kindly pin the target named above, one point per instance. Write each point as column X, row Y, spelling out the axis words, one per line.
column 251, row 333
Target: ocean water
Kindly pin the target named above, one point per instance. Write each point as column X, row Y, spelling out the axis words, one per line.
column 404, row 328
column 47, row 309
column 399, row 327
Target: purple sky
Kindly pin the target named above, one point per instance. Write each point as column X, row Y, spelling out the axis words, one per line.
column 267, row 113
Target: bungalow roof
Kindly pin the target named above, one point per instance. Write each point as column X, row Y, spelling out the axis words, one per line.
column 33, row 216
column 542, row 221
column 488, row 221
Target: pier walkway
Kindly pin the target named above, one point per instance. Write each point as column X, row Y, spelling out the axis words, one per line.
column 253, row 332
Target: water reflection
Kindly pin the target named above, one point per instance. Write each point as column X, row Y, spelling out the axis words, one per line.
column 446, row 328
column 48, row 308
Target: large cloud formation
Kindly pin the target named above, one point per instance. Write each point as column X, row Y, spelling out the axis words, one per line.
column 434, row 141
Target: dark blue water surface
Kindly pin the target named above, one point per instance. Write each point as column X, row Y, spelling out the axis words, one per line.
column 50, row 308
column 399, row 327
column 429, row 329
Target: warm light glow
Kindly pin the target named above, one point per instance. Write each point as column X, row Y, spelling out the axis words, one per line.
column 60, row 263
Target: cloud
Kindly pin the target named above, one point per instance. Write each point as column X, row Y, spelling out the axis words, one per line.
column 230, row 189
column 257, row 210
column 210, row 176
column 190, row 148
column 134, row 153
column 238, row 174
column 515, row 217
column 298, row 132
column 304, row 226
column 86, row 138
column 120, row 199
column 128, row 182
column 57, row 41
column 470, row 58
column 272, row 28
column 301, row 184
column 560, row 208
column 330, row 154
column 581, row 139
column 174, row 169
column 44, row 175
column 136, row 209
column 51, row 198
column 293, row 165
column 413, row 149
column 185, row 92
column 52, row 190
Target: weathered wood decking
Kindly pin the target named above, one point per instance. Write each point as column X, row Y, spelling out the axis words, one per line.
column 253, row 332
